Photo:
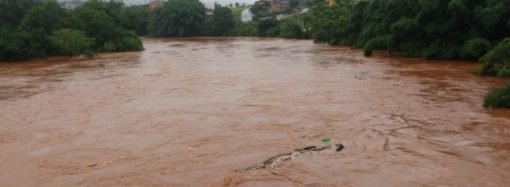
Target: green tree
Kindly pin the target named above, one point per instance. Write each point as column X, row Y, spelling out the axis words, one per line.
column 138, row 16
column 499, row 98
column 35, row 29
column 246, row 29
column 95, row 24
column 446, row 29
column 331, row 23
column 38, row 24
column 71, row 43
column 123, row 40
column 497, row 61
column 45, row 17
column 260, row 9
column 175, row 18
column 268, row 27
column 128, row 18
column 222, row 22
column 107, row 34
column 296, row 27
column 12, row 44
column 12, row 11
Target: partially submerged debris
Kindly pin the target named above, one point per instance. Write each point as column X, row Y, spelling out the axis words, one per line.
column 275, row 160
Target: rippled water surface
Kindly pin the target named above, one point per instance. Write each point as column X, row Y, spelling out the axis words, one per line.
column 197, row 112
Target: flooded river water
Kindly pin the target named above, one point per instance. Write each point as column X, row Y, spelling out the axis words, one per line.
column 197, row 112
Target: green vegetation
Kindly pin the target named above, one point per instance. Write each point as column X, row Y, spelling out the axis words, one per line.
column 246, row 29
column 268, row 27
column 12, row 11
column 498, row 98
column 71, row 42
column 447, row 29
column 260, row 9
column 137, row 19
column 11, row 42
column 222, row 22
column 36, row 29
column 237, row 11
column 497, row 61
column 105, row 22
column 296, row 27
column 176, row 18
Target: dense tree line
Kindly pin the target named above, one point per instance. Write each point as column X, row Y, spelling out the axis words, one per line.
column 446, row 29
column 40, row 28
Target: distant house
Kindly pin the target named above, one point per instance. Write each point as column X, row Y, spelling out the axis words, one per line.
column 246, row 15
column 154, row 3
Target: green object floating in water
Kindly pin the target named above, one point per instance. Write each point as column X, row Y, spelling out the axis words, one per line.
column 326, row 140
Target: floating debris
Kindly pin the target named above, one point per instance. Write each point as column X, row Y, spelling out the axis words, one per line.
column 361, row 76
column 275, row 160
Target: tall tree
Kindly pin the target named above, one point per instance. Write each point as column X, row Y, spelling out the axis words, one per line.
column 38, row 24
column 260, row 8
column 175, row 18
column 222, row 22
column 12, row 11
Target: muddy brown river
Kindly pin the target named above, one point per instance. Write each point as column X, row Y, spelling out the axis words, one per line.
column 199, row 111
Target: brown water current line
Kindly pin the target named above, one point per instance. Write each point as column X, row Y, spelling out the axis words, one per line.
column 192, row 112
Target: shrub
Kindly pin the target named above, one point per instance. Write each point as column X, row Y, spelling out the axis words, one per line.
column 246, row 29
column 11, row 44
column 476, row 48
column 497, row 61
column 294, row 28
column 432, row 52
column 71, row 42
column 441, row 50
column 380, row 42
column 222, row 22
column 267, row 27
column 272, row 32
column 123, row 41
column 499, row 98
